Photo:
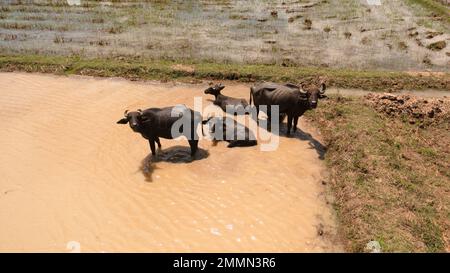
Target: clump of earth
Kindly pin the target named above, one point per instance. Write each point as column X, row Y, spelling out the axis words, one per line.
column 416, row 110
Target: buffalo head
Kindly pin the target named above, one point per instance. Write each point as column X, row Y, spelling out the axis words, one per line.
column 215, row 89
column 314, row 92
column 134, row 118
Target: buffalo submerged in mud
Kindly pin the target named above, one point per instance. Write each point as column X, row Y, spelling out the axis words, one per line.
column 228, row 129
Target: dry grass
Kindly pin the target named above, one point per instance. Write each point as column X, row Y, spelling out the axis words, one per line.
column 390, row 178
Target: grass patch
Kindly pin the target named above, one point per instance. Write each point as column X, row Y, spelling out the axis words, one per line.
column 433, row 6
column 389, row 177
column 163, row 69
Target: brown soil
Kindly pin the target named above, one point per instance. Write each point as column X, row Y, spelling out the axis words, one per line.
column 436, row 46
column 416, row 110
column 390, row 178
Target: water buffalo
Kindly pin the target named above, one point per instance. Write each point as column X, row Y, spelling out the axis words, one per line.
column 168, row 122
column 228, row 129
column 236, row 106
column 292, row 100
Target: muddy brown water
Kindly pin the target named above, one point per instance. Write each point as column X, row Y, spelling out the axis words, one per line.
column 74, row 180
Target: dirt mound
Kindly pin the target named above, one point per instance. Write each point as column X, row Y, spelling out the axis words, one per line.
column 437, row 45
column 423, row 111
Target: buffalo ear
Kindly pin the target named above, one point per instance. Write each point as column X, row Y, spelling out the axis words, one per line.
column 322, row 88
column 212, row 129
column 123, row 121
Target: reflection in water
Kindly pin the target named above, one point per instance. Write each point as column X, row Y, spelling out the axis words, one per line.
column 179, row 154
column 147, row 167
column 174, row 154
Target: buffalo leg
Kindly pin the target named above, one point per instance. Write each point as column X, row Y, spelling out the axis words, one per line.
column 159, row 143
column 232, row 144
column 289, row 124
column 295, row 123
column 152, row 146
column 282, row 116
column 257, row 113
column 269, row 118
column 194, row 146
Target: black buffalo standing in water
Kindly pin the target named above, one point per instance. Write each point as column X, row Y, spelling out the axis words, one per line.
column 292, row 100
column 154, row 123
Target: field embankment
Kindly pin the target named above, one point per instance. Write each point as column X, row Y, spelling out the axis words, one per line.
column 389, row 161
column 192, row 71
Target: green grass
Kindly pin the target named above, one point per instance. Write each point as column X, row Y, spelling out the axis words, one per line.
column 388, row 177
column 164, row 70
